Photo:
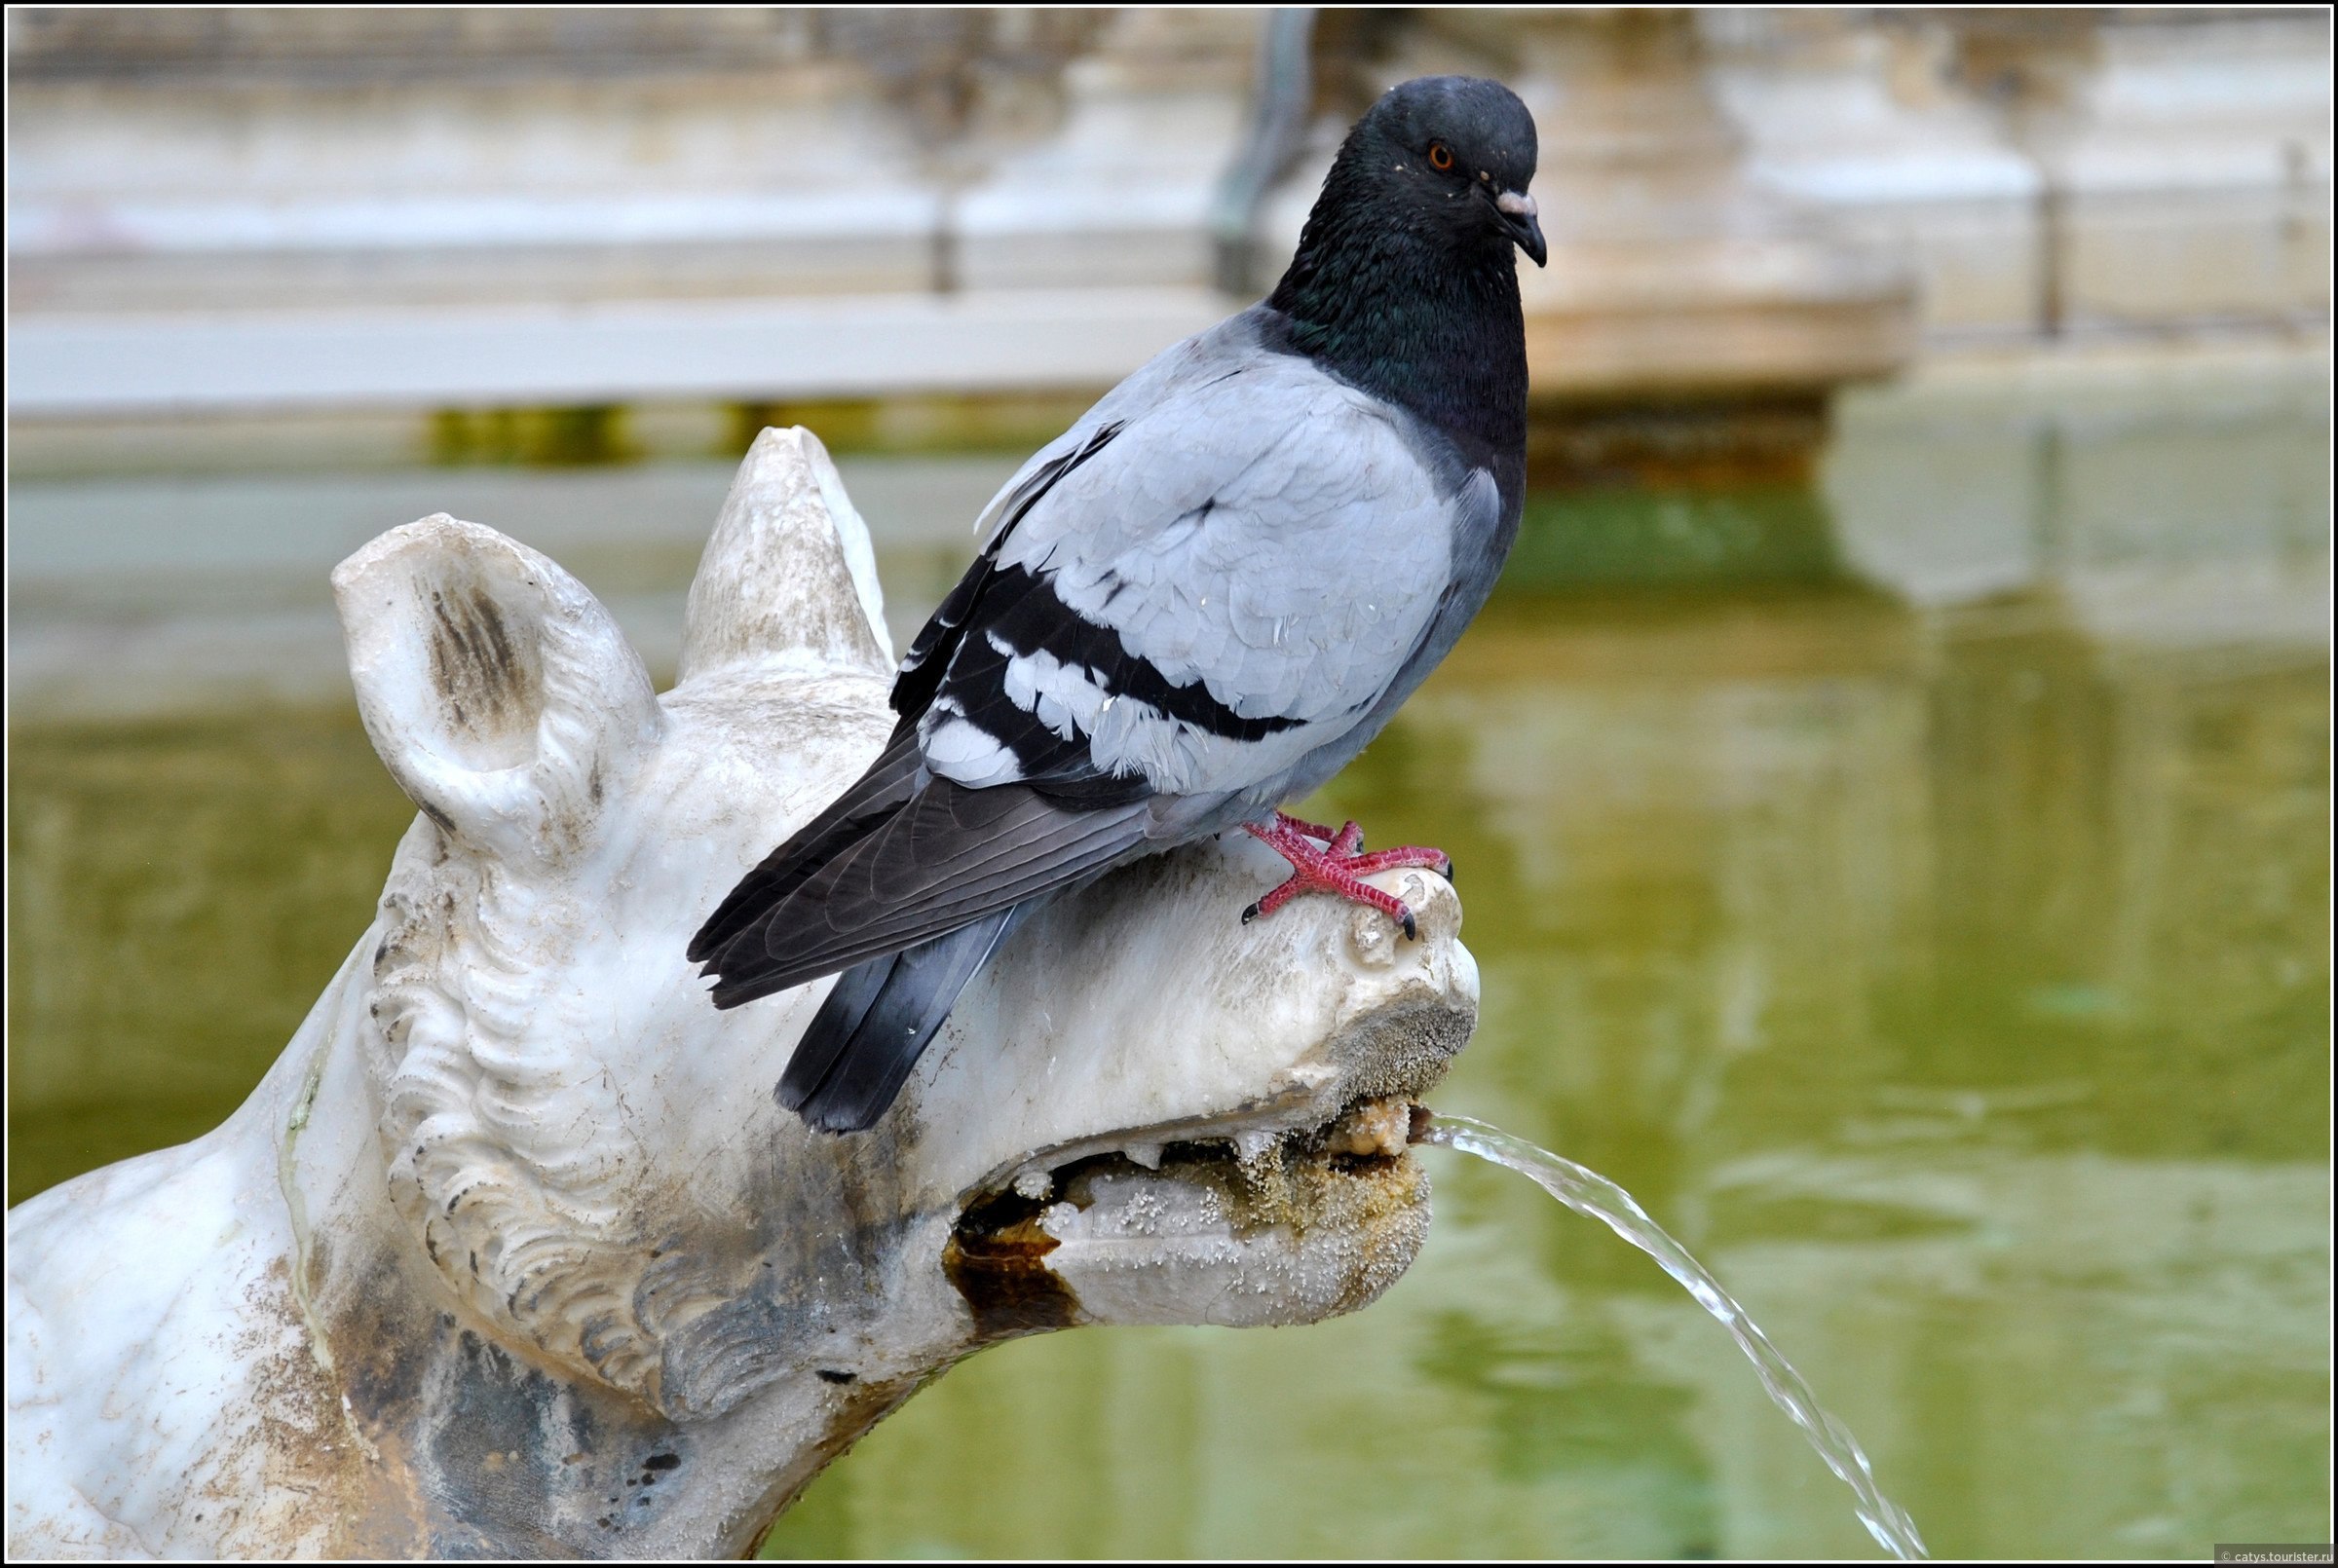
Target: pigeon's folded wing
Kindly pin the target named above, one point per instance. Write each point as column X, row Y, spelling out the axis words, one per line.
column 1199, row 593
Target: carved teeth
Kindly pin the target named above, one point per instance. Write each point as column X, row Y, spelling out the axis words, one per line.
column 1372, row 1129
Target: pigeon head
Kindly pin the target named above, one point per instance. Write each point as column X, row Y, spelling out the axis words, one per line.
column 1458, row 151
column 1403, row 283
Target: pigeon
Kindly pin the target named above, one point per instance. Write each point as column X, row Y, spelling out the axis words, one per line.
column 1201, row 600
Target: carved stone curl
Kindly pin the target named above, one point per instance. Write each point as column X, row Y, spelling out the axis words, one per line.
column 512, row 1252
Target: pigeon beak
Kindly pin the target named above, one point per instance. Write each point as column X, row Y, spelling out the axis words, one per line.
column 1519, row 212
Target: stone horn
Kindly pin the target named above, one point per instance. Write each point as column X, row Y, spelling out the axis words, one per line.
column 787, row 566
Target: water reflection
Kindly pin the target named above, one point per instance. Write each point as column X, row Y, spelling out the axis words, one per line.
column 1915, row 892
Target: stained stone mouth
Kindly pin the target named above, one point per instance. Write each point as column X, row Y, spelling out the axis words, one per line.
column 1320, row 1212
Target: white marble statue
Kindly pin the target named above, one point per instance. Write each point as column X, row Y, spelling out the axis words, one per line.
column 512, row 1252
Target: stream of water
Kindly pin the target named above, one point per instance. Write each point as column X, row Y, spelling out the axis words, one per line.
column 1587, row 1192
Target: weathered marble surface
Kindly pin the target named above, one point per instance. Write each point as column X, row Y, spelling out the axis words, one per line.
column 513, row 1253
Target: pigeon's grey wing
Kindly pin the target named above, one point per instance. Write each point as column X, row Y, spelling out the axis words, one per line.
column 1199, row 359
column 1228, row 584
column 930, row 654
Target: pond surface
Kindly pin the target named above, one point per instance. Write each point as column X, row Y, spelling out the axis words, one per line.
column 1913, row 889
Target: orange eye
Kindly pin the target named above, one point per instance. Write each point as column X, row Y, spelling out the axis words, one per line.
column 1438, row 157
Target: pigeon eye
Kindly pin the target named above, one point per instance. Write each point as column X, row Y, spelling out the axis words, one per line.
column 1438, row 157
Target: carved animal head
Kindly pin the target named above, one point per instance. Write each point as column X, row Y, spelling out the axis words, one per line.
column 1143, row 1111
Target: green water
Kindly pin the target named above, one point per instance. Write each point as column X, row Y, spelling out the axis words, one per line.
column 1915, row 890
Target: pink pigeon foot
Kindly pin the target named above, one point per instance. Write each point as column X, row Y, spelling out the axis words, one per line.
column 1326, row 862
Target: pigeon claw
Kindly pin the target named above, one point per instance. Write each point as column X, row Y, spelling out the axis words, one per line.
column 1323, row 861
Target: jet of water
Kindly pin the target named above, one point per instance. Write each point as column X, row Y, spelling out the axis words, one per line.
column 1588, row 1192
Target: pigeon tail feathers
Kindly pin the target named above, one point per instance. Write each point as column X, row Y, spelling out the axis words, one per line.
column 877, row 1022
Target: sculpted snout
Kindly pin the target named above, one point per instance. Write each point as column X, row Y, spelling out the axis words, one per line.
column 1193, row 1120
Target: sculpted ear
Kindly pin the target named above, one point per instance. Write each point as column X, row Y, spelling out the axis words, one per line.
column 501, row 696
column 788, row 577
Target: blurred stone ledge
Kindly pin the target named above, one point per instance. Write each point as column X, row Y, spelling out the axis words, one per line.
column 275, row 225
column 119, row 363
